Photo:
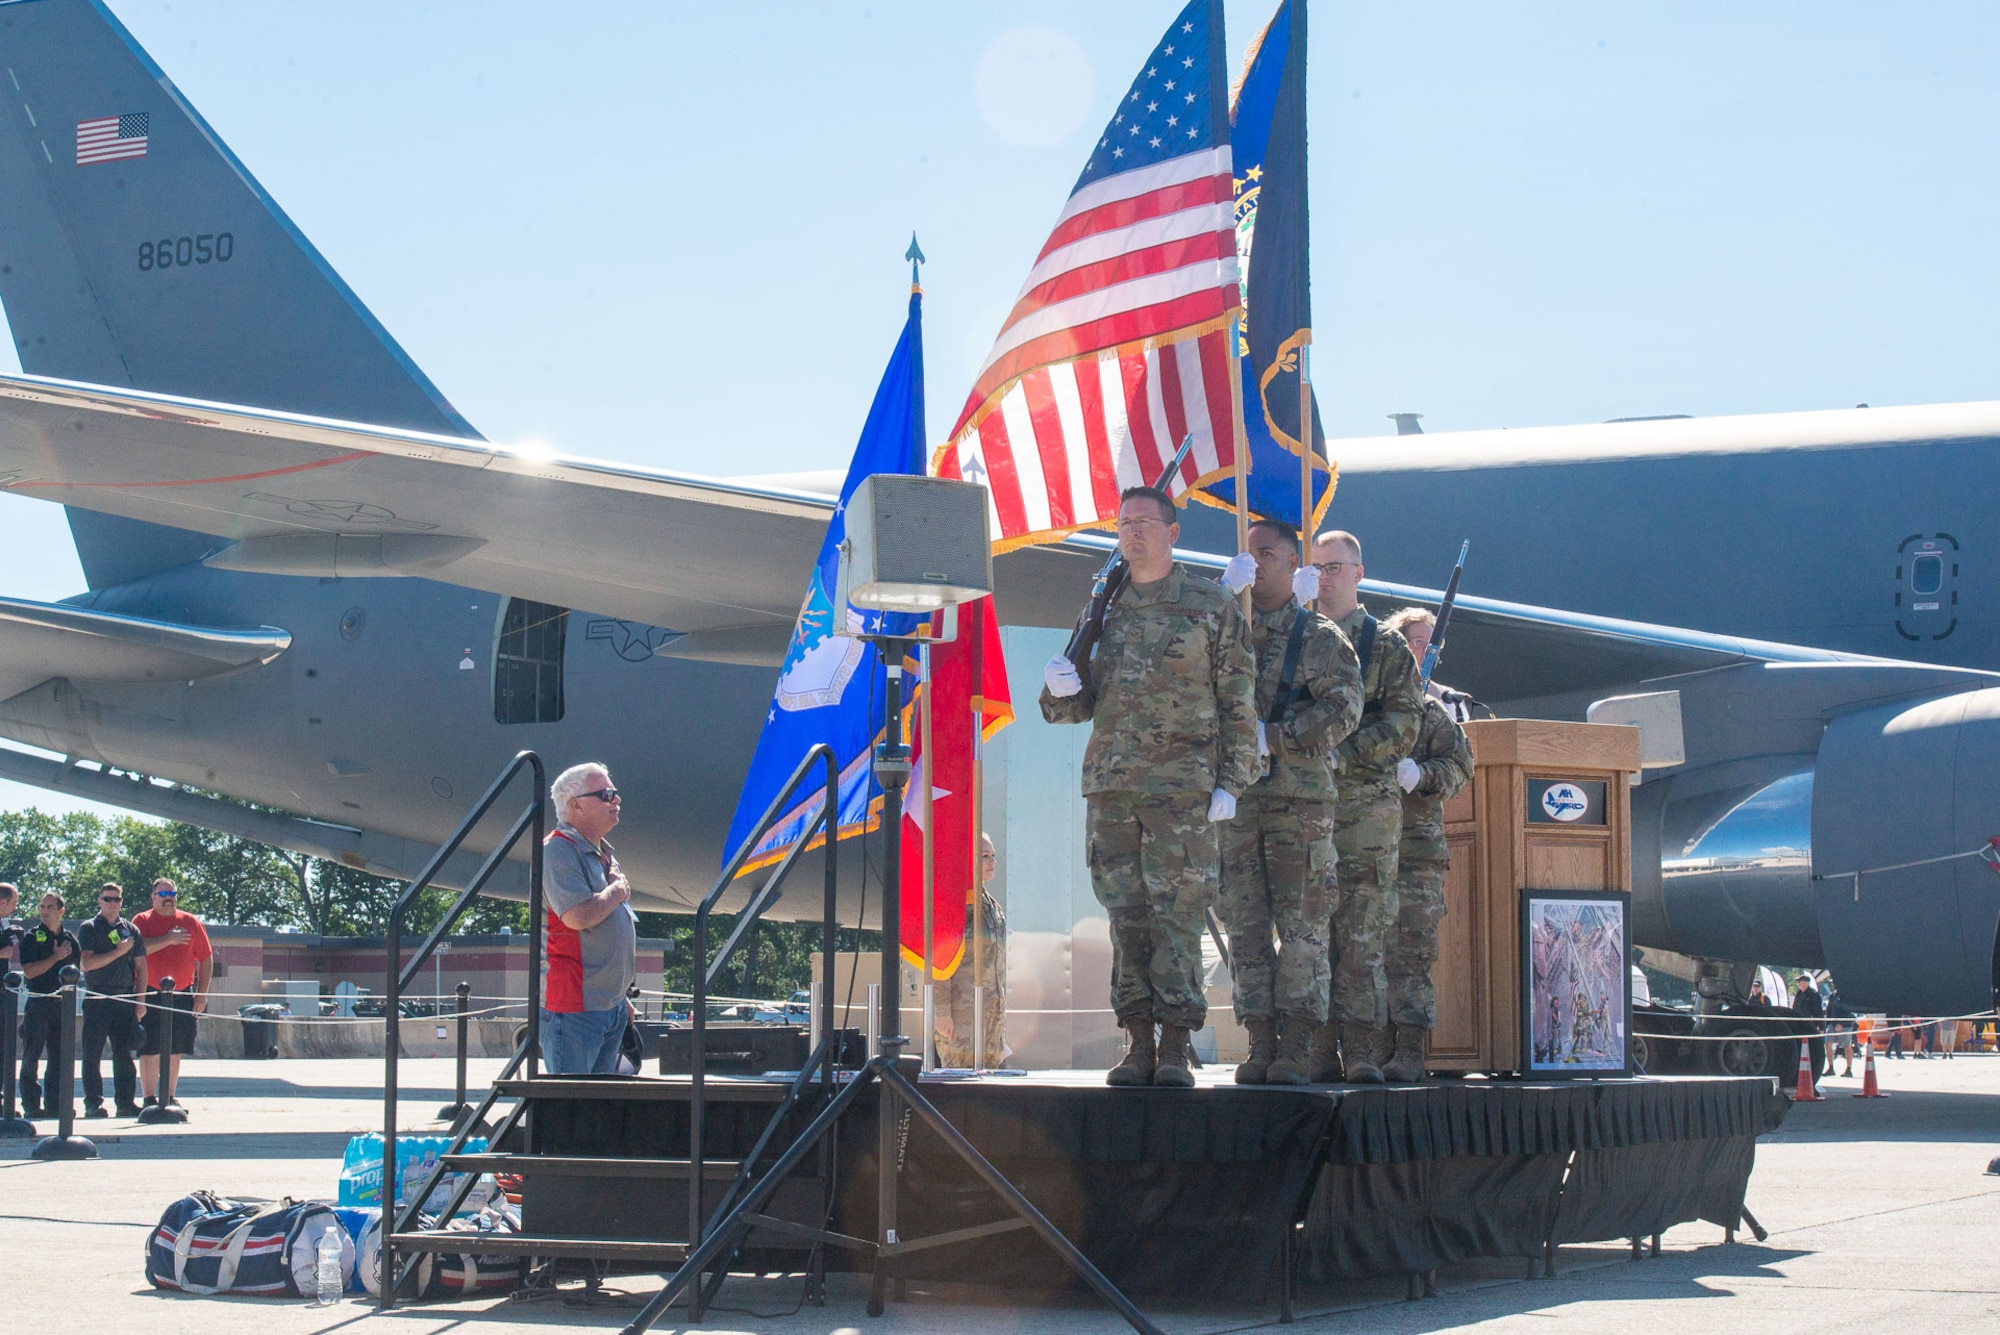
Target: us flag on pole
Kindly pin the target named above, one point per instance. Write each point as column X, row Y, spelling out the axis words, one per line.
column 1118, row 344
column 111, row 138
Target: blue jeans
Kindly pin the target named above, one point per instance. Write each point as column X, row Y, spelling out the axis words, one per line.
column 582, row 1042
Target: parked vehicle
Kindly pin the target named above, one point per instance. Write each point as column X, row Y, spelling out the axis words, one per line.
column 1663, row 1039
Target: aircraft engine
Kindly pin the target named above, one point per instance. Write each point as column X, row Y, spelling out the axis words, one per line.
column 1899, row 785
column 1756, row 857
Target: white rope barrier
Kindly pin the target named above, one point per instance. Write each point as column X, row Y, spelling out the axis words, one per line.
column 1814, row 1026
column 280, row 999
column 514, row 1006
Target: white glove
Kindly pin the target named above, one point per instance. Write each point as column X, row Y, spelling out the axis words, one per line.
column 1061, row 679
column 1240, row 572
column 1263, row 743
column 1305, row 583
column 1409, row 774
column 1221, row 805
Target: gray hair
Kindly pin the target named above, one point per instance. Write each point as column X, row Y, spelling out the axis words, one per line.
column 570, row 785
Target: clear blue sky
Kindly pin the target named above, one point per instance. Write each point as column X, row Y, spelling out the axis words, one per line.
column 671, row 235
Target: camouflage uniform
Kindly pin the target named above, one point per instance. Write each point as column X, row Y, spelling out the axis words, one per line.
column 954, row 995
column 1170, row 697
column 1445, row 757
column 1277, row 855
column 1368, row 824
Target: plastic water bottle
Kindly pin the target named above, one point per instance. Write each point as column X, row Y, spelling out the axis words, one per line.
column 330, row 1279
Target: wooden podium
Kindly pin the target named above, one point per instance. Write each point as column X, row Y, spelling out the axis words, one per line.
column 1508, row 833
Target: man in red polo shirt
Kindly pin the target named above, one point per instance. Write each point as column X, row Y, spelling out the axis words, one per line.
column 590, row 934
column 177, row 948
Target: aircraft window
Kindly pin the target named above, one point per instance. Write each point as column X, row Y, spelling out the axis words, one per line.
column 527, row 671
column 1927, row 574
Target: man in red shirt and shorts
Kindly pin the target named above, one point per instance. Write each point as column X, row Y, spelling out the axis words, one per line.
column 177, row 948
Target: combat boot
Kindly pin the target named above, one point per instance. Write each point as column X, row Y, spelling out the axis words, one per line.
column 1365, row 1046
column 1406, row 1065
column 1293, row 1065
column 1176, row 1065
column 1325, row 1068
column 1140, row 1056
column 1263, row 1047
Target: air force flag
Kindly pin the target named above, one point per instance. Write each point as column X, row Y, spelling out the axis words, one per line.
column 831, row 686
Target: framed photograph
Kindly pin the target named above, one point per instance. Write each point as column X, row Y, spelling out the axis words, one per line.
column 1576, row 980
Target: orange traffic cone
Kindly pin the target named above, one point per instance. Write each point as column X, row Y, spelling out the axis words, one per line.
column 1869, row 1089
column 1805, row 1092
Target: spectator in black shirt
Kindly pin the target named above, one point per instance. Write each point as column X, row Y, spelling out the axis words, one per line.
column 1807, row 1001
column 114, row 965
column 45, row 949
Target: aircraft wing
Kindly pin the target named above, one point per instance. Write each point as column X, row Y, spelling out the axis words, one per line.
column 722, row 562
column 1502, row 651
column 39, row 641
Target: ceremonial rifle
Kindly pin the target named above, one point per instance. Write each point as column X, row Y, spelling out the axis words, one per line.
column 1444, row 617
column 1110, row 582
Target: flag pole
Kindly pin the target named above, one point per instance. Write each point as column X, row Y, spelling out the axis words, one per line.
column 930, row 848
column 976, row 902
column 1305, row 448
column 1241, row 462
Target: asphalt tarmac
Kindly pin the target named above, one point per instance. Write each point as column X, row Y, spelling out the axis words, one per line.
column 1880, row 1214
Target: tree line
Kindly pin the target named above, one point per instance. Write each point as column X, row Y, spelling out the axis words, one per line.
column 225, row 879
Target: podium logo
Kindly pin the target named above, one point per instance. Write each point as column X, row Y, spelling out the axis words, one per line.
column 1565, row 802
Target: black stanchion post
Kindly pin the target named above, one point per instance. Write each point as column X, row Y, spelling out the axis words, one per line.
column 454, row 1111
column 65, row 1143
column 892, row 771
column 11, row 1126
column 161, row 1026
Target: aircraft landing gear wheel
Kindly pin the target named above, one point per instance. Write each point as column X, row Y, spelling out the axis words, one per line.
column 1744, row 1051
column 1642, row 1053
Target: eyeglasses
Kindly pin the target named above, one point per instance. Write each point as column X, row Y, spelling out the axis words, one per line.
column 1334, row 567
column 111, row 899
column 602, row 794
column 166, row 894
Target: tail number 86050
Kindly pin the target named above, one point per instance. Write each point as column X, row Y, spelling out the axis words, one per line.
column 180, row 252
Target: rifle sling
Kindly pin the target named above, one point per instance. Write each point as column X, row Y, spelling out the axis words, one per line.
column 1364, row 644
column 1289, row 674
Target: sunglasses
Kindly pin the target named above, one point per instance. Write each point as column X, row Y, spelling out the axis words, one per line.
column 602, row 794
column 166, row 894
column 111, row 899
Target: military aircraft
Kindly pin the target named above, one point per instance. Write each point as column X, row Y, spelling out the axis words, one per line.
column 314, row 587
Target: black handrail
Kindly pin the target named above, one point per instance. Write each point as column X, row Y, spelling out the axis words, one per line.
column 533, row 817
column 827, row 820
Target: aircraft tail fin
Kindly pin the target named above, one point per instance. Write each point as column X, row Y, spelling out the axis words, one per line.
column 137, row 251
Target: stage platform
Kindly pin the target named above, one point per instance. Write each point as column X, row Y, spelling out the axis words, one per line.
column 1198, row 1192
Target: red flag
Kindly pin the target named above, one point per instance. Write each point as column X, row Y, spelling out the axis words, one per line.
column 968, row 695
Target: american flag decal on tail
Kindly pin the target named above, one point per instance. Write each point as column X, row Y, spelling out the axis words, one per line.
column 112, row 138
column 1117, row 346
